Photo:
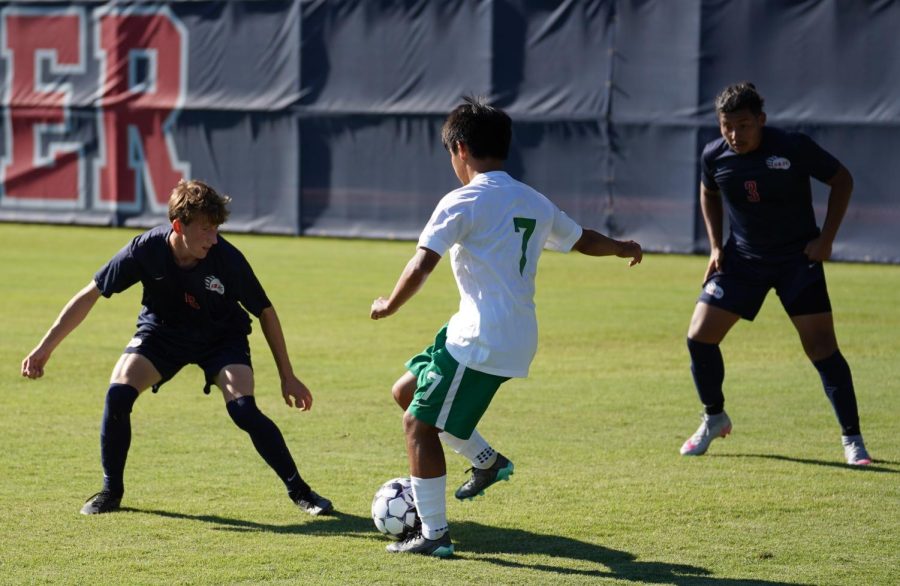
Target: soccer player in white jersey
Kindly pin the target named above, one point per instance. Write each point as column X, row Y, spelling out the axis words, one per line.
column 495, row 229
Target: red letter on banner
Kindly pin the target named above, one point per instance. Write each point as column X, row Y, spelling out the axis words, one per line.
column 39, row 45
column 143, row 71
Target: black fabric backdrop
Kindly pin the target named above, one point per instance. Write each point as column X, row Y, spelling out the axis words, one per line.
column 322, row 117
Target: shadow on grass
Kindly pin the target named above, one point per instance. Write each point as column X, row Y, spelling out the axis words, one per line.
column 479, row 543
column 874, row 467
column 482, row 543
column 335, row 524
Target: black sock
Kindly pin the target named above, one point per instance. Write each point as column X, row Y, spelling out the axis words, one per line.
column 709, row 373
column 115, row 435
column 268, row 441
column 838, row 384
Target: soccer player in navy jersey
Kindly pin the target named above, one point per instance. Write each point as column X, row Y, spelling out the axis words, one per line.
column 763, row 175
column 195, row 284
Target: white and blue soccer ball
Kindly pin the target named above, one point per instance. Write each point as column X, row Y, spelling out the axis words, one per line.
column 393, row 509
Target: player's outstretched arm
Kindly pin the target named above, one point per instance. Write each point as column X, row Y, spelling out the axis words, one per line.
column 819, row 249
column 411, row 280
column 594, row 243
column 71, row 315
column 293, row 391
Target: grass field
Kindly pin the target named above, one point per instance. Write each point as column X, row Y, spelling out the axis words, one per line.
column 600, row 494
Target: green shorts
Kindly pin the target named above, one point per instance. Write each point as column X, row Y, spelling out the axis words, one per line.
column 448, row 395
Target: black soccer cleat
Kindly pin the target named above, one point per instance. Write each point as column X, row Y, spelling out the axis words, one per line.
column 441, row 547
column 104, row 501
column 481, row 479
column 313, row 504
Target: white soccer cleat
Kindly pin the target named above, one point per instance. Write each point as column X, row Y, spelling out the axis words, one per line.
column 855, row 450
column 711, row 427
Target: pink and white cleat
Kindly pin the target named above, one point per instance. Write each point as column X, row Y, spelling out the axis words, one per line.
column 711, row 427
column 855, row 450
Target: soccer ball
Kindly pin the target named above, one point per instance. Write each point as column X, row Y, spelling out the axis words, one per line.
column 393, row 509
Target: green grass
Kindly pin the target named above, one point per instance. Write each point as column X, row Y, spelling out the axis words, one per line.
column 600, row 494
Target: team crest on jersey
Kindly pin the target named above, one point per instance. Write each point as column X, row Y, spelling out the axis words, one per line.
column 712, row 289
column 779, row 163
column 214, row 284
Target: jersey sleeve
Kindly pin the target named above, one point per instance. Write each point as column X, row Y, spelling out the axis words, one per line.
column 707, row 177
column 121, row 272
column 250, row 293
column 564, row 232
column 818, row 162
column 449, row 223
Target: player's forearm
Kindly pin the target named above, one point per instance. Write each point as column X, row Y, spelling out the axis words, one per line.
column 593, row 243
column 711, row 206
column 71, row 316
column 411, row 280
column 271, row 327
column 838, row 201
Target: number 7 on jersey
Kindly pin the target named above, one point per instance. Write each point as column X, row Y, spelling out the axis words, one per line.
column 526, row 226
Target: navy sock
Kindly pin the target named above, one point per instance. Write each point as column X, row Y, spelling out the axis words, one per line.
column 268, row 441
column 709, row 373
column 838, row 384
column 115, row 435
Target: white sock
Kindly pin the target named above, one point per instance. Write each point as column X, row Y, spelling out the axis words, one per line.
column 476, row 449
column 431, row 502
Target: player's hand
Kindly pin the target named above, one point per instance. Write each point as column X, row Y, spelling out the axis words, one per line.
column 818, row 249
column 380, row 309
column 716, row 262
column 296, row 394
column 33, row 364
column 632, row 250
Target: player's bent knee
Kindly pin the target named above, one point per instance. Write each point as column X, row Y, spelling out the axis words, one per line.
column 698, row 347
column 414, row 426
column 404, row 389
column 120, row 398
column 816, row 334
column 409, row 421
column 245, row 414
column 402, row 394
column 820, row 350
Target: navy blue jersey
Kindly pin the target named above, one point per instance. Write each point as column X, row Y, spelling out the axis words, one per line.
column 202, row 303
column 768, row 194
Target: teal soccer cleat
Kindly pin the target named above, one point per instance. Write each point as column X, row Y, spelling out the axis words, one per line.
column 502, row 469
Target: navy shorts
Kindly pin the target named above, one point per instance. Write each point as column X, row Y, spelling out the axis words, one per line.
column 742, row 285
column 169, row 353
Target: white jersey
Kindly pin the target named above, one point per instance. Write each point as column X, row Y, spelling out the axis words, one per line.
column 495, row 228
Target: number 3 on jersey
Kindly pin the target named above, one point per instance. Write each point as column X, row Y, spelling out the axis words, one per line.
column 526, row 226
column 752, row 193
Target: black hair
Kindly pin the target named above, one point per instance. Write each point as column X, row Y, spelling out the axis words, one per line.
column 740, row 96
column 485, row 130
